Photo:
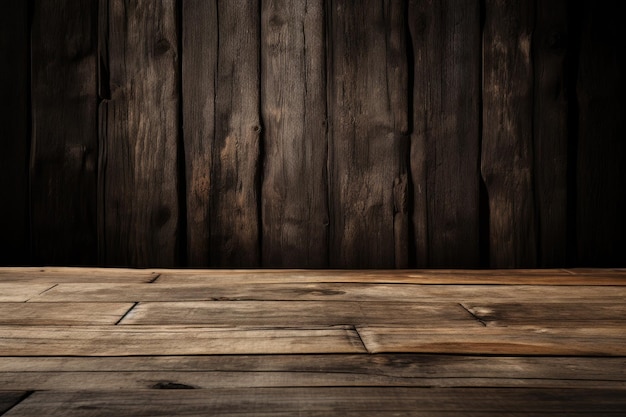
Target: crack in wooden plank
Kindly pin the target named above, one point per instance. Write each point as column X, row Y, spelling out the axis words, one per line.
column 360, row 338
column 127, row 313
column 474, row 316
column 153, row 280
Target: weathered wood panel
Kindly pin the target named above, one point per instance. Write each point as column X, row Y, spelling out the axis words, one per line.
column 79, row 313
column 551, row 134
column 324, row 401
column 247, row 371
column 293, row 103
column 517, row 340
column 235, row 156
column 445, row 151
column 199, row 72
column 507, row 143
column 14, row 133
column 368, row 126
column 173, row 340
column 139, row 133
column 601, row 153
column 64, row 149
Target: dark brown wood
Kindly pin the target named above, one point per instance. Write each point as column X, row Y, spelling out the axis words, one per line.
column 368, row 127
column 324, row 401
column 550, row 131
column 293, row 104
column 139, row 133
column 507, row 143
column 445, row 151
column 64, row 149
column 199, row 72
column 601, row 152
column 14, row 133
column 8, row 399
column 248, row 371
column 235, row 156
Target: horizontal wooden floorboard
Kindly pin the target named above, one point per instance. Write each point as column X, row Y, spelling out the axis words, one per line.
column 233, row 371
column 172, row 340
column 38, row 314
column 297, row 314
column 486, row 340
column 20, row 292
column 614, row 277
column 68, row 274
column 368, row 401
column 289, row 291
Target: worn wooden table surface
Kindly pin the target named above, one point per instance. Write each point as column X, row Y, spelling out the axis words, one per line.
column 121, row 342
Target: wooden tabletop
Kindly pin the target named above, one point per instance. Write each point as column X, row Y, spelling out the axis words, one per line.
column 139, row 342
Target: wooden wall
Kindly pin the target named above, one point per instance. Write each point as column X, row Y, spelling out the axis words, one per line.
column 312, row 133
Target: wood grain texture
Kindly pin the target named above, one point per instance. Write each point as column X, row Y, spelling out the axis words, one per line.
column 42, row 314
column 518, row 340
column 368, row 127
column 235, row 158
column 445, row 143
column 246, row 371
column 56, row 275
column 240, row 290
column 507, row 144
column 139, row 133
column 348, row 401
column 293, row 104
column 199, row 72
column 64, row 149
column 601, row 152
column 173, row 340
column 19, row 292
column 15, row 134
column 550, row 47
column 9, row 399
column 297, row 314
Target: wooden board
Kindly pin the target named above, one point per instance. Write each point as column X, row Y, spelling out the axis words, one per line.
column 173, row 340
column 445, row 144
column 235, row 371
column 349, row 401
column 15, row 133
column 60, row 274
column 40, row 314
column 64, row 149
column 368, row 134
column 18, row 292
column 294, row 206
column 518, row 340
column 442, row 276
column 550, row 47
column 297, row 314
column 235, row 156
column 138, row 135
column 199, row 71
column 507, row 157
column 600, row 174
column 324, row 291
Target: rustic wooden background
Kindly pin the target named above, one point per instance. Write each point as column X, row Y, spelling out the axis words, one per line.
column 312, row 133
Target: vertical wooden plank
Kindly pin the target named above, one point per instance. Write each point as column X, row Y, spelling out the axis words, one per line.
column 234, row 199
column 446, row 42
column 368, row 128
column 14, row 133
column 199, row 66
column 549, row 49
column 139, row 130
column 601, row 164
column 64, row 124
column 293, row 105
column 507, row 152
